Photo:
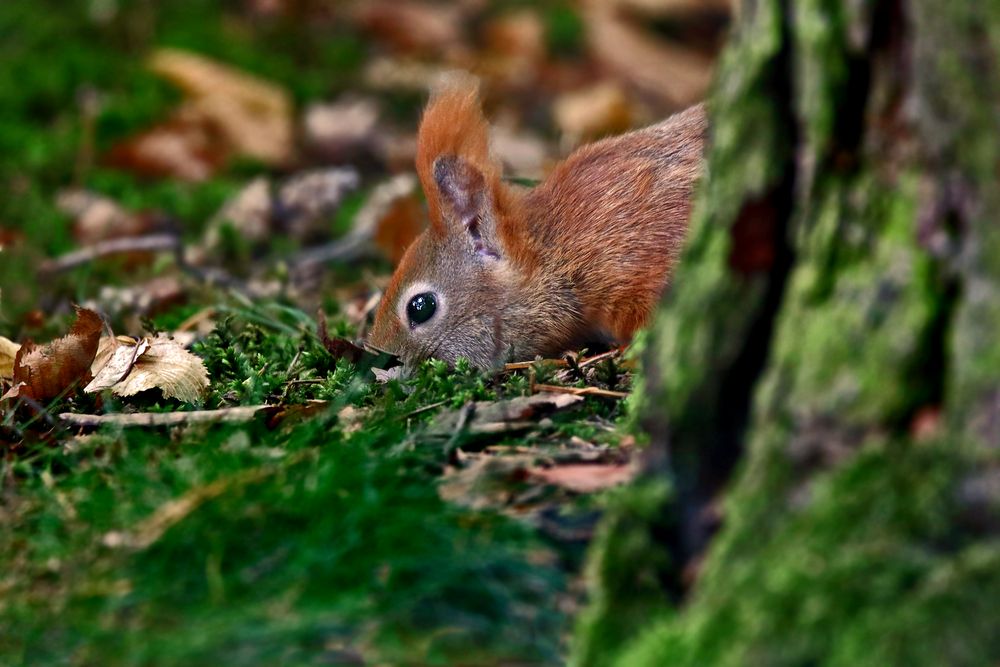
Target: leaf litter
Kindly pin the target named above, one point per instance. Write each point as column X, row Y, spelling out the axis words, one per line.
column 124, row 365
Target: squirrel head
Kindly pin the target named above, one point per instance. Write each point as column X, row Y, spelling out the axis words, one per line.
column 446, row 298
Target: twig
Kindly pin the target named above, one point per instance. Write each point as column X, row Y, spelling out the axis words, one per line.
column 148, row 243
column 610, row 354
column 235, row 414
column 413, row 413
column 196, row 319
column 580, row 391
column 525, row 365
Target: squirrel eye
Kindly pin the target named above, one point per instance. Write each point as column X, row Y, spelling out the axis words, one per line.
column 421, row 308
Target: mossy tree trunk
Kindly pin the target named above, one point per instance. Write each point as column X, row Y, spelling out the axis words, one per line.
column 823, row 381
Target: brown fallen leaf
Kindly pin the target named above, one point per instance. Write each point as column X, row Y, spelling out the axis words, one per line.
column 410, row 26
column 97, row 218
column 44, row 372
column 307, row 200
column 600, row 109
column 163, row 365
column 340, row 131
column 299, row 207
column 116, row 356
column 673, row 73
column 185, row 147
column 252, row 115
column 585, row 477
column 8, row 350
column 339, row 348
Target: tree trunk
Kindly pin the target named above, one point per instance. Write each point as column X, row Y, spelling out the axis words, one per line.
column 823, row 381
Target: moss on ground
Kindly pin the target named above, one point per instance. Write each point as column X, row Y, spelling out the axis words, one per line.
column 319, row 540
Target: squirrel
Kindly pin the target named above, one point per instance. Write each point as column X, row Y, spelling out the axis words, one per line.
column 505, row 272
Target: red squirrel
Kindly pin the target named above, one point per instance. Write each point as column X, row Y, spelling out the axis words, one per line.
column 505, row 272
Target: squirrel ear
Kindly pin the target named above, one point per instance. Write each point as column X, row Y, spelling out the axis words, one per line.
column 463, row 189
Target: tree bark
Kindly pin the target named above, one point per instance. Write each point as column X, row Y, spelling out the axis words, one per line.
column 822, row 387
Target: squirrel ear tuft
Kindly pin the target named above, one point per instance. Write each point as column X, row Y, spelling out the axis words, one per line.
column 455, row 135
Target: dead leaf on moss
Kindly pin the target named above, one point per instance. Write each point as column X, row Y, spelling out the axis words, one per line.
column 339, row 348
column 499, row 417
column 8, row 350
column 42, row 372
column 387, row 374
column 115, row 358
column 154, row 363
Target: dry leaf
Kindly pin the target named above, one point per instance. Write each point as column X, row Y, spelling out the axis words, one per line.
column 96, row 217
column 299, row 208
column 496, row 417
column 385, row 375
column 408, row 26
column 184, row 147
column 339, row 348
column 518, row 34
column 115, row 359
column 601, row 109
column 248, row 212
column 396, row 75
column 340, row 131
column 585, row 477
column 8, row 350
column 676, row 75
column 252, row 115
column 308, row 199
column 44, row 372
column 163, row 365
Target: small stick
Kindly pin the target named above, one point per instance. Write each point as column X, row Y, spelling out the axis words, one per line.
column 525, row 365
column 148, row 243
column 196, row 319
column 235, row 414
column 418, row 411
column 579, row 391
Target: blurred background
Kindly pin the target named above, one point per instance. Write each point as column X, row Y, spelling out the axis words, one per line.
column 238, row 135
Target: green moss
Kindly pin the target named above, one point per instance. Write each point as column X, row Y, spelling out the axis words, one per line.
column 626, row 568
column 866, row 569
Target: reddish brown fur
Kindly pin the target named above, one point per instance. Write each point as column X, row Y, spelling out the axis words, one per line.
column 583, row 255
column 453, row 124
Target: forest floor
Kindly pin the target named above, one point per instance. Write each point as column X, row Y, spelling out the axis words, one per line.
column 324, row 513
